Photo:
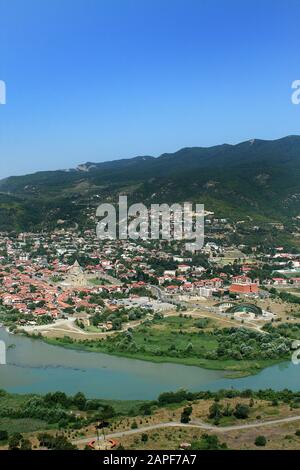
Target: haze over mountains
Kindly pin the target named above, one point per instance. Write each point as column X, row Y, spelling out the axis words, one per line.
column 256, row 178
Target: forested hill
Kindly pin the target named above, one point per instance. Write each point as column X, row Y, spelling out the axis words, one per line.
column 256, row 178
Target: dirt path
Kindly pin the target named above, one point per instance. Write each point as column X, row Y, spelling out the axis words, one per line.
column 193, row 424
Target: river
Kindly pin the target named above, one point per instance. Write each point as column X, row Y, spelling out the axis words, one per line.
column 37, row 367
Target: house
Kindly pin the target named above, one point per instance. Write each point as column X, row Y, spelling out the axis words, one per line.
column 241, row 280
column 216, row 282
column 279, row 281
column 183, row 268
column 244, row 288
column 243, row 285
column 205, row 291
column 170, row 273
column 172, row 289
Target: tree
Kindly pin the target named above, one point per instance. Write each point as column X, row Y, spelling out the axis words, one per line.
column 107, row 412
column 215, row 411
column 241, row 411
column 26, row 444
column 58, row 442
column 208, row 442
column 174, row 397
column 146, row 409
column 144, row 438
column 79, row 400
column 14, row 441
column 227, row 410
column 57, row 398
column 260, row 441
column 186, row 414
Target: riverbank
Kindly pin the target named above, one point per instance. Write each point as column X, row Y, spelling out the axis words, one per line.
column 34, row 366
column 234, row 369
column 189, row 341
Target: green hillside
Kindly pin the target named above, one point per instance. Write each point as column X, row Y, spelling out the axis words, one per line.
column 257, row 178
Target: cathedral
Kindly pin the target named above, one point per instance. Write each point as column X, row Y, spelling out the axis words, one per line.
column 75, row 276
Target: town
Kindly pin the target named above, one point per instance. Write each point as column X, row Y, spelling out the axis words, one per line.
column 68, row 283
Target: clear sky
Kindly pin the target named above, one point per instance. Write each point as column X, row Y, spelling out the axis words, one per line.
column 93, row 80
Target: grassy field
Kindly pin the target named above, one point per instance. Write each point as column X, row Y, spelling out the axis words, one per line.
column 23, row 425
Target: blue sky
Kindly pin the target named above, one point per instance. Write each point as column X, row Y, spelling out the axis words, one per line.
column 93, row 80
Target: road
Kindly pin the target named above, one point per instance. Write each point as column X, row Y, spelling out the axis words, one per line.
column 192, row 424
column 68, row 325
column 213, row 311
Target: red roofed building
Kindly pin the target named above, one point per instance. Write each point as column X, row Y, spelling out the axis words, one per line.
column 244, row 288
column 243, row 285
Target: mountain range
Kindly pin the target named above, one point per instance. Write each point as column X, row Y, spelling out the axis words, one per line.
column 258, row 179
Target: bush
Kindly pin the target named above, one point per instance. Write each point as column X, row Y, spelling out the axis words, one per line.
column 146, row 409
column 241, row 411
column 79, row 400
column 208, row 442
column 174, row 397
column 14, row 441
column 215, row 411
column 186, row 414
column 260, row 441
column 58, row 442
column 26, row 444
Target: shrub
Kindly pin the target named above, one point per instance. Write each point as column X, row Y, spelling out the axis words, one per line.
column 241, row 411
column 260, row 441
column 185, row 415
column 208, row 442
